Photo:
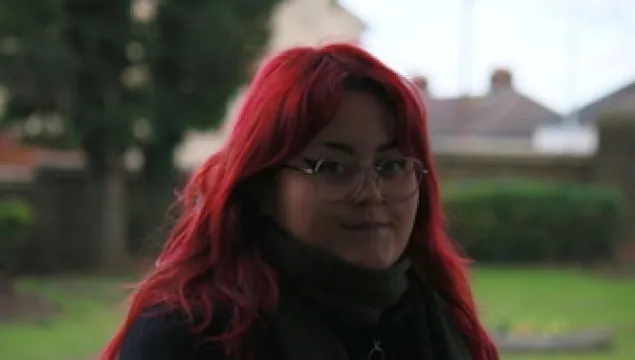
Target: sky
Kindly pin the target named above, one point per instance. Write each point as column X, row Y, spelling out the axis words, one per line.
column 562, row 53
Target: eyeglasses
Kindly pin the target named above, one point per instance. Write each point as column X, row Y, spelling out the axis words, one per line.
column 398, row 178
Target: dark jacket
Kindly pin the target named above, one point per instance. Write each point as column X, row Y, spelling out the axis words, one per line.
column 166, row 337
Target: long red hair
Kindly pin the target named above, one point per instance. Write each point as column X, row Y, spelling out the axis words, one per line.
column 207, row 260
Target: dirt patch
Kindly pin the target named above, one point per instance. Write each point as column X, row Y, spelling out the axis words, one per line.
column 18, row 307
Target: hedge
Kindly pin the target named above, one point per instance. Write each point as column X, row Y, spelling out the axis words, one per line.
column 16, row 217
column 523, row 221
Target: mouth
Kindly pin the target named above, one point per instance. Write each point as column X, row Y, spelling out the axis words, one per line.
column 365, row 225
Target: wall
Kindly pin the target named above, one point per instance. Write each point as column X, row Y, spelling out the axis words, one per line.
column 553, row 168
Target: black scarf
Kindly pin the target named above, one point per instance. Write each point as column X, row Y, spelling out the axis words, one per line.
column 320, row 295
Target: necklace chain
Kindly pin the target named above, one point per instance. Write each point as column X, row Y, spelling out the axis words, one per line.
column 377, row 352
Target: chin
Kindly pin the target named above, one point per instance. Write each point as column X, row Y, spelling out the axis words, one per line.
column 367, row 253
column 374, row 262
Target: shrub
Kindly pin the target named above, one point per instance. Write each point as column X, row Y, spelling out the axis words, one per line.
column 523, row 221
column 15, row 219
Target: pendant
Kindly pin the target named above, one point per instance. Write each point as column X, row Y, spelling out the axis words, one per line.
column 377, row 352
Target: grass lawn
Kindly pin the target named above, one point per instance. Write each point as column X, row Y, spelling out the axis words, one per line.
column 90, row 313
column 578, row 299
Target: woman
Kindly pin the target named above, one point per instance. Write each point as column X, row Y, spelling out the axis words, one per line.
column 316, row 232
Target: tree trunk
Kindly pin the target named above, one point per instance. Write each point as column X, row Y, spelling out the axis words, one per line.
column 6, row 285
column 159, row 177
column 110, row 196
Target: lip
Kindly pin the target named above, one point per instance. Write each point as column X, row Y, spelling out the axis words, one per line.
column 365, row 225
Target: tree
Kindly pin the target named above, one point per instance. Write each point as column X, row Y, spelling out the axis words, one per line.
column 120, row 82
column 66, row 58
column 198, row 52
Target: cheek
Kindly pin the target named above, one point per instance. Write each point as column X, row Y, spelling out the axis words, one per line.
column 406, row 214
column 294, row 206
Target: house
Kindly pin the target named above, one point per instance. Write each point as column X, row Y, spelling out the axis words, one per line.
column 503, row 119
column 294, row 23
column 581, row 136
column 622, row 100
column 18, row 161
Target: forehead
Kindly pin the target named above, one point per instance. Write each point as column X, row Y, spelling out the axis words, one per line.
column 363, row 122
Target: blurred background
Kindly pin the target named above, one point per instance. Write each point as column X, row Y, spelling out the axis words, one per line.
column 106, row 106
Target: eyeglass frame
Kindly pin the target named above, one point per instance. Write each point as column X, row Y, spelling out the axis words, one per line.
column 419, row 171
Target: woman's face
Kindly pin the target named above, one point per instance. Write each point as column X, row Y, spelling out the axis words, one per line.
column 362, row 228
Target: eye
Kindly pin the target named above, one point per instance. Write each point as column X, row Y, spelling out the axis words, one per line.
column 332, row 170
column 395, row 167
column 331, row 167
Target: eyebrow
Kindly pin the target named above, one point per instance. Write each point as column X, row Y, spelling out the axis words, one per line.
column 348, row 149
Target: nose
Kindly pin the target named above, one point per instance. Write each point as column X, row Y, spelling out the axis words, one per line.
column 368, row 190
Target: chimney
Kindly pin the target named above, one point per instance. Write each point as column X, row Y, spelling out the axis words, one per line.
column 500, row 80
column 421, row 82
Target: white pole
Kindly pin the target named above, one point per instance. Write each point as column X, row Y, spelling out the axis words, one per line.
column 465, row 47
column 572, row 56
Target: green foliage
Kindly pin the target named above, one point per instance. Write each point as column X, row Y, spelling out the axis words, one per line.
column 120, row 82
column 198, row 53
column 15, row 219
column 64, row 59
column 36, row 61
column 521, row 221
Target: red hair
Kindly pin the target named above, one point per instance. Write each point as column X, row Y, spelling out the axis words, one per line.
column 207, row 260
